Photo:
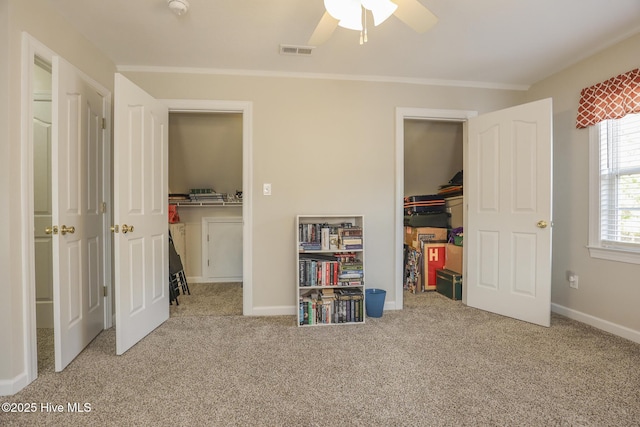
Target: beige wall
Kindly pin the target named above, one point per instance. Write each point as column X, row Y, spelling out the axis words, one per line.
column 432, row 155
column 7, row 369
column 326, row 146
column 205, row 151
column 38, row 19
column 607, row 290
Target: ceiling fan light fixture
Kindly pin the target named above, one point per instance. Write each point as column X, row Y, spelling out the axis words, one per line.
column 381, row 9
column 347, row 12
column 179, row 7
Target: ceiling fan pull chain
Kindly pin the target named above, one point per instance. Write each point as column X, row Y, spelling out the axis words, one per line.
column 363, row 32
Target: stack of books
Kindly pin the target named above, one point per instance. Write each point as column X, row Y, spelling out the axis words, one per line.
column 351, row 272
column 350, row 238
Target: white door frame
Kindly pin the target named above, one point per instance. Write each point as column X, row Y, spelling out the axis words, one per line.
column 246, row 109
column 403, row 114
column 30, row 49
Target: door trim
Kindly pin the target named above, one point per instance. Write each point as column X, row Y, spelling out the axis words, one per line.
column 403, row 114
column 31, row 48
column 246, row 109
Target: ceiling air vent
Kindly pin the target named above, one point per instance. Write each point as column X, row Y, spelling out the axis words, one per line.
column 296, row 50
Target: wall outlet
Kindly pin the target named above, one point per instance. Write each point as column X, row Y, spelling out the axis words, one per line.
column 572, row 278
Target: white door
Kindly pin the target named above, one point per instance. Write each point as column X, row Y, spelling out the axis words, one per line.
column 43, row 242
column 140, row 213
column 78, row 302
column 508, row 190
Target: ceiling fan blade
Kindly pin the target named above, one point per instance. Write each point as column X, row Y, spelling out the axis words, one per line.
column 323, row 31
column 415, row 15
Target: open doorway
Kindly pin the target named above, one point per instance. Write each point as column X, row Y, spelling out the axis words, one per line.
column 62, row 149
column 205, row 186
column 411, row 123
column 42, row 212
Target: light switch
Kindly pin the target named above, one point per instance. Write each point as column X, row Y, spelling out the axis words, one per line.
column 266, row 189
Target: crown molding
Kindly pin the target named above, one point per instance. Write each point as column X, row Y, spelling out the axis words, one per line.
column 321, row 76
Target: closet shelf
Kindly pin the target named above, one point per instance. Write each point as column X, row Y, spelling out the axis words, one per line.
column 196, row 204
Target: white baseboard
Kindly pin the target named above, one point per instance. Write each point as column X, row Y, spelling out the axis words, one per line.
column 11, row 387
column 390, row 306
column 283, row 310
column 200, row 279
column 605, row 325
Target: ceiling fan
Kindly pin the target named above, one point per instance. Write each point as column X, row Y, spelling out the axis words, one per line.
column 349, row 14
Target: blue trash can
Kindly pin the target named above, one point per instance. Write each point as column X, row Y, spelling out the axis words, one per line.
column 374, row 302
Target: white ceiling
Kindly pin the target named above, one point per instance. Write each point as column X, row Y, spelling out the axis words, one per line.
column 503, row 43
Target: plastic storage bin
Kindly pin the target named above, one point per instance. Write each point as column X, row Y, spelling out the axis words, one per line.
column 374, row 302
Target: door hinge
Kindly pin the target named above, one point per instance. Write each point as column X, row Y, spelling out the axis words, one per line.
column 103, row 207
column 208, row 263
column 104, row 291
column 104, row 123
column 207, row 237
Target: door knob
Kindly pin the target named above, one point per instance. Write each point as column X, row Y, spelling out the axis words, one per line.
column 542, row 224
column 115, row 228
column 64, row 229
column 51, row 230
column 126, row 228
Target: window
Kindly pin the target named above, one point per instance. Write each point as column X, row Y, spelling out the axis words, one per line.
column 615, row 189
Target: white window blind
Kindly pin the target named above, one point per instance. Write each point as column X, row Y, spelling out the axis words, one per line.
column 620, row 182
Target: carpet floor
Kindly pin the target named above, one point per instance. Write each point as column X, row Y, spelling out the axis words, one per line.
column 435, row 363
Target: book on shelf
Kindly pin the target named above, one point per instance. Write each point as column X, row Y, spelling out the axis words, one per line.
column 351, row 241
column 351, row 265
column 310, row 246
column 345, row 257
column 350, row 275
column 351, row 247
column 351, row 231
column 350, row 282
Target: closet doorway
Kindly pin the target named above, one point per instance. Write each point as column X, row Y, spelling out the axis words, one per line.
column 429, row 151
column 206, row 186
column 42, row 211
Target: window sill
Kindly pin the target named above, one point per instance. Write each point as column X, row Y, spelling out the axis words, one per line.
column 610, row 254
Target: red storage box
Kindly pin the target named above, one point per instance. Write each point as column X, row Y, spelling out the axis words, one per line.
column 433, row 258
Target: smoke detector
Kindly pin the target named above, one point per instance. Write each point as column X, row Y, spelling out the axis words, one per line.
column 179, row 7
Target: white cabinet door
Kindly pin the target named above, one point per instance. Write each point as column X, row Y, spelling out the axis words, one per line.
column 222, row 249
column 508, row 191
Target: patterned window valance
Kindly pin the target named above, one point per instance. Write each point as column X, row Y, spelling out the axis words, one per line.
column 610, row 99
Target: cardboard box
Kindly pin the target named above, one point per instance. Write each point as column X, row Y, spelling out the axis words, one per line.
column 433, row 258
column 453, row 259
column 427, row 235
column 455, row 208
column 449, row 284
column 408, row 235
